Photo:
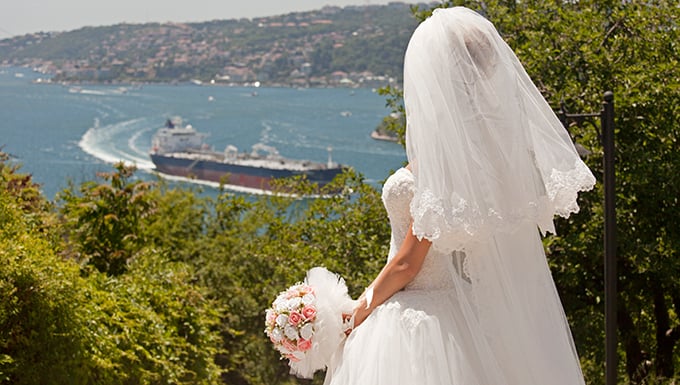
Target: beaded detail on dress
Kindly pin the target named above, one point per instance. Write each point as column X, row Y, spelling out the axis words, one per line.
column 396, row 196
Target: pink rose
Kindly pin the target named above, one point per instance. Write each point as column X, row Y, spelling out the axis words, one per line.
column 294, row 318
column 288, row 345
column 303, row 345
column 309, row 312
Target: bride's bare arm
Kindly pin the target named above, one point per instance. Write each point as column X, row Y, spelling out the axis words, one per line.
column 396, row 274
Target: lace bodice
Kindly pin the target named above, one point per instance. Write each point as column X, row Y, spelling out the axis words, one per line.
column 396, row 196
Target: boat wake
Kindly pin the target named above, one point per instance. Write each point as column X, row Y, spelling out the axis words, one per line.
column 118, row 143
column 98, row 92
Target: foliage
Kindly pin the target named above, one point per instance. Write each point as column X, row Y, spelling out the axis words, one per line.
column 395, row 122
column 151, row 325
column 103, row 222
column 179, row 221
column 386, row 59
column 171, row 286
column 63, row 324
column 40, row 339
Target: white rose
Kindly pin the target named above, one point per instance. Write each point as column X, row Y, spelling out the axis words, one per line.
column 282, row 320
column 307, row 299
column 307, row 331
column 277, row 334
column 279, row 304
column 291, row 332
column 294, row 303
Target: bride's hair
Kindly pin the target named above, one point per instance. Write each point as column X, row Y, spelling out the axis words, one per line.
column 480, row 51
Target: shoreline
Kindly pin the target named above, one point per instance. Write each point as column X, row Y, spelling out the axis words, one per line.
column 48, row 78
column 387, row 138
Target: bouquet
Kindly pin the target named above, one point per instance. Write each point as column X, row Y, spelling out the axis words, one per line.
column 305, row 321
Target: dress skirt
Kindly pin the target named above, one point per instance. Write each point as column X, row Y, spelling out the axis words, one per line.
column 416, row 337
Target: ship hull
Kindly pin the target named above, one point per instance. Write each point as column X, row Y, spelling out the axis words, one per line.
column 233, row 174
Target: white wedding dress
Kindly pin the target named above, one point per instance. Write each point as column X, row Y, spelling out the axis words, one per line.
column 434, row 332
column 491, row 165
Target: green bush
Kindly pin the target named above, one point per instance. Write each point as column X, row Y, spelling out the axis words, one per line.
column 102, row 220
column 63, row 323
column 42, row 337
column 151, row 325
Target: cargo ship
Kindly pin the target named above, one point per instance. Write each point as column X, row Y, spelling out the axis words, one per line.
column 180, row 150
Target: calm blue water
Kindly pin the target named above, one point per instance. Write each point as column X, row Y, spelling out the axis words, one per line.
column 49, row 129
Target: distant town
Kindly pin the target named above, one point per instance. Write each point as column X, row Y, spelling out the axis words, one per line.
column 354, row 46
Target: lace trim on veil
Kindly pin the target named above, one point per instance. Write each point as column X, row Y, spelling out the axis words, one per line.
column 563, row 188
column 457, row 223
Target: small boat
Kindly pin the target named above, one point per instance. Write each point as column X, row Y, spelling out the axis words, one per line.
column 180, row 150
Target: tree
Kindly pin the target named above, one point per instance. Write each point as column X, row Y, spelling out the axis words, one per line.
column 63, row 323
column 103, row 222
column 40, row 336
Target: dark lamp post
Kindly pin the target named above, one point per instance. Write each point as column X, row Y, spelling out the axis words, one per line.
column 606, row 136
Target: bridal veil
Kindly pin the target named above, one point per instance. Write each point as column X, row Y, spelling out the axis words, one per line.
column 492, row 166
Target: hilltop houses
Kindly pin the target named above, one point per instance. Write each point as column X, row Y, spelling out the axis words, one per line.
column 298, row 49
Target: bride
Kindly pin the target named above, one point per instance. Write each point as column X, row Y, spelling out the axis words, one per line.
column 466, row 296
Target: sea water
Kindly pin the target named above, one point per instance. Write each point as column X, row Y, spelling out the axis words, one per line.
column 61, row 133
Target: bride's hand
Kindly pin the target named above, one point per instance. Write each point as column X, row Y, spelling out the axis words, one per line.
column 359, row 314
column 347, row 323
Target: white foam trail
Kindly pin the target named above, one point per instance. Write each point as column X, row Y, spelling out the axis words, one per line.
column 99, row 142
column 265, row 133
column 132, row 142
column 92, row 92
column 99, row 92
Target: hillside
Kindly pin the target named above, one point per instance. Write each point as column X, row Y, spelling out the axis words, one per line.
column 354, row 46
